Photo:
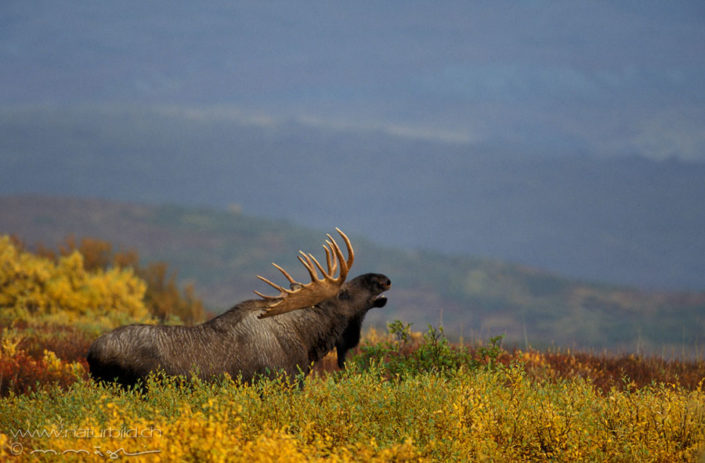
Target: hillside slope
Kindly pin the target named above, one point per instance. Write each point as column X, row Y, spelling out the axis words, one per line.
column 627, row 220
column 223, row 251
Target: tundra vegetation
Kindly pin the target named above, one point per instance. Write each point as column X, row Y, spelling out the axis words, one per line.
column 403, row 396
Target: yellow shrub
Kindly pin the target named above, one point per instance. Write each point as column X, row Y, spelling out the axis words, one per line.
column 10, row 340
column 36, row 289
column 498, row 415
column 197, row 435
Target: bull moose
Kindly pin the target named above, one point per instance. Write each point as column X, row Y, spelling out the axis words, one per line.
column 286, row 332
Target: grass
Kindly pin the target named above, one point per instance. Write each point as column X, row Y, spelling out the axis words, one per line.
column 500, row 414
column 404, row 397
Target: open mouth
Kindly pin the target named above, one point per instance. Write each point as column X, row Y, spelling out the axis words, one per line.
column 380, row 301
column 382, row 284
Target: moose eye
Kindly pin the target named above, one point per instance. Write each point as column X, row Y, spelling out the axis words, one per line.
column 344, row 295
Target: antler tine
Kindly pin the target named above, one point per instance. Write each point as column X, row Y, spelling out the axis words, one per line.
column 331, row 258
column 306, row 261
column 286, row 274
column 320, row 267
column 351, row 253
column 344, row 265
column 273, row 285
column 267, row 297
column 331, row 263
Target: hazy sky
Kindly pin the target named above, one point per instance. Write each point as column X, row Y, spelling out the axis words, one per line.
column 605, row 78
column 156, row 101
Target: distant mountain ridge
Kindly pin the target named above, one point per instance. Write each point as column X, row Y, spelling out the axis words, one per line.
column 623, row 220
column 221, row 252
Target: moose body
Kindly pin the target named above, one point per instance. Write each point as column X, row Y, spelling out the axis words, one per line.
column 256, row 337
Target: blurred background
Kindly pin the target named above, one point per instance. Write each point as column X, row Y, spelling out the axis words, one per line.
column 532, row 169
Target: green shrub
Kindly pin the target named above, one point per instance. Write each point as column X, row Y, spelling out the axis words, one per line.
column 408, row 354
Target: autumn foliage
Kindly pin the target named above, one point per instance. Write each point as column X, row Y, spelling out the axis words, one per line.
column 63, row 291
column 164, row 300
column 405, row 395
column 500, row 413
column 153, row 284
column 53, row 304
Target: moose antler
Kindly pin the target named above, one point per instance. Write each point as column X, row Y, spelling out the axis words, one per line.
column 302, row 295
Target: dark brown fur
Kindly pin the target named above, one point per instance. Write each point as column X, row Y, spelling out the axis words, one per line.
column 238, row 342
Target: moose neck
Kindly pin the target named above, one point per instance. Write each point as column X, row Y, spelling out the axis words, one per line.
column 320, row 328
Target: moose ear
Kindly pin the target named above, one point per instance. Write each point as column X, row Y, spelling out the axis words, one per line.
column 344, row 295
